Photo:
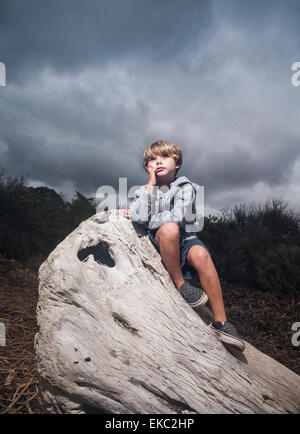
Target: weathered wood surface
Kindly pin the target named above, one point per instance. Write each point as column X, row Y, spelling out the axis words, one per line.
column 116, row 336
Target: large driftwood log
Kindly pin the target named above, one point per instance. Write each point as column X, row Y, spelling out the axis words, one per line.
column 115, row 336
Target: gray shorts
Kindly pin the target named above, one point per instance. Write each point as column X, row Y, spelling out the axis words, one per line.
column 188, row 271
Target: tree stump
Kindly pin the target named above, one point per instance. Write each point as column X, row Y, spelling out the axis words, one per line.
column 115, row 336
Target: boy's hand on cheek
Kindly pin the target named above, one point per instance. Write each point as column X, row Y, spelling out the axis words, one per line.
column 151, row 176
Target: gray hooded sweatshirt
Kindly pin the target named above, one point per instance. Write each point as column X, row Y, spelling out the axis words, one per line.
column 178, row 205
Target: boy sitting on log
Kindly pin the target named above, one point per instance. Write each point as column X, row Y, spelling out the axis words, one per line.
column 182, row 252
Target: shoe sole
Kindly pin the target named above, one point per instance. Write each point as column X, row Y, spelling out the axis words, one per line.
column 203, row 300
column 224, row 337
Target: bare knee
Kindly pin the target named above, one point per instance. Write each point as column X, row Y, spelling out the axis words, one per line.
column 198, row 257
column 168, row 231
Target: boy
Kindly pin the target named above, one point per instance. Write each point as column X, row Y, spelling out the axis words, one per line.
column 183, row 254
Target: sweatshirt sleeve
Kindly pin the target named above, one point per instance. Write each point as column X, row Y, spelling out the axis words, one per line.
column 140, row 208
column 182, row 212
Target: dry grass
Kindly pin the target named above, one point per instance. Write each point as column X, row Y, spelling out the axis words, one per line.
column 265, row 322
column 18, row 297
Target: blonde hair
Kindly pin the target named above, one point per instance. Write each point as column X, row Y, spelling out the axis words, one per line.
column 164, row 148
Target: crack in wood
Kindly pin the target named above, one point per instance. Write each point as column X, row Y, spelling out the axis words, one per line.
column 150, row 268
column 266, row 398
column 179, row 406
column 123, row 323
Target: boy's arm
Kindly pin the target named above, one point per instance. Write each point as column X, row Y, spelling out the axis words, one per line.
column 182, row 213
column 140, row 210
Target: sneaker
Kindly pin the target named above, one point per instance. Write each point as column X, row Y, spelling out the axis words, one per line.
column 227, row 333
column 194, row 296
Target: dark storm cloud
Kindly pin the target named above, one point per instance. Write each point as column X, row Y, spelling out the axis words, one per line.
column 72, row 33
column 239, row 167
column 92, row 83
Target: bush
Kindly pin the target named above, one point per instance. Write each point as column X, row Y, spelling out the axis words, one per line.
column 34, row 220
column 278, row 270
column 257, row 246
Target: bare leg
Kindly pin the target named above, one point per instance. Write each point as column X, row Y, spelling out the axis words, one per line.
column 168, row 237
column 199, row 258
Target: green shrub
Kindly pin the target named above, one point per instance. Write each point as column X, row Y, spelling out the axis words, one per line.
column 34, row 220
column 278, row 271
column 257, row 246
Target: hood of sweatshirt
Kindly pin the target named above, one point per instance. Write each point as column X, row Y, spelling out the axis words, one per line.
column 175, row 185
column 181, row 180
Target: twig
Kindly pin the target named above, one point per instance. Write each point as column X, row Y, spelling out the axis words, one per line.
column 16, row 398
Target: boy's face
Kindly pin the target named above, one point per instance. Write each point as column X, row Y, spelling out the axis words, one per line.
column 163, row 165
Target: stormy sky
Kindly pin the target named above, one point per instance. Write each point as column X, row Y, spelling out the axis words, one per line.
column 91, row 83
